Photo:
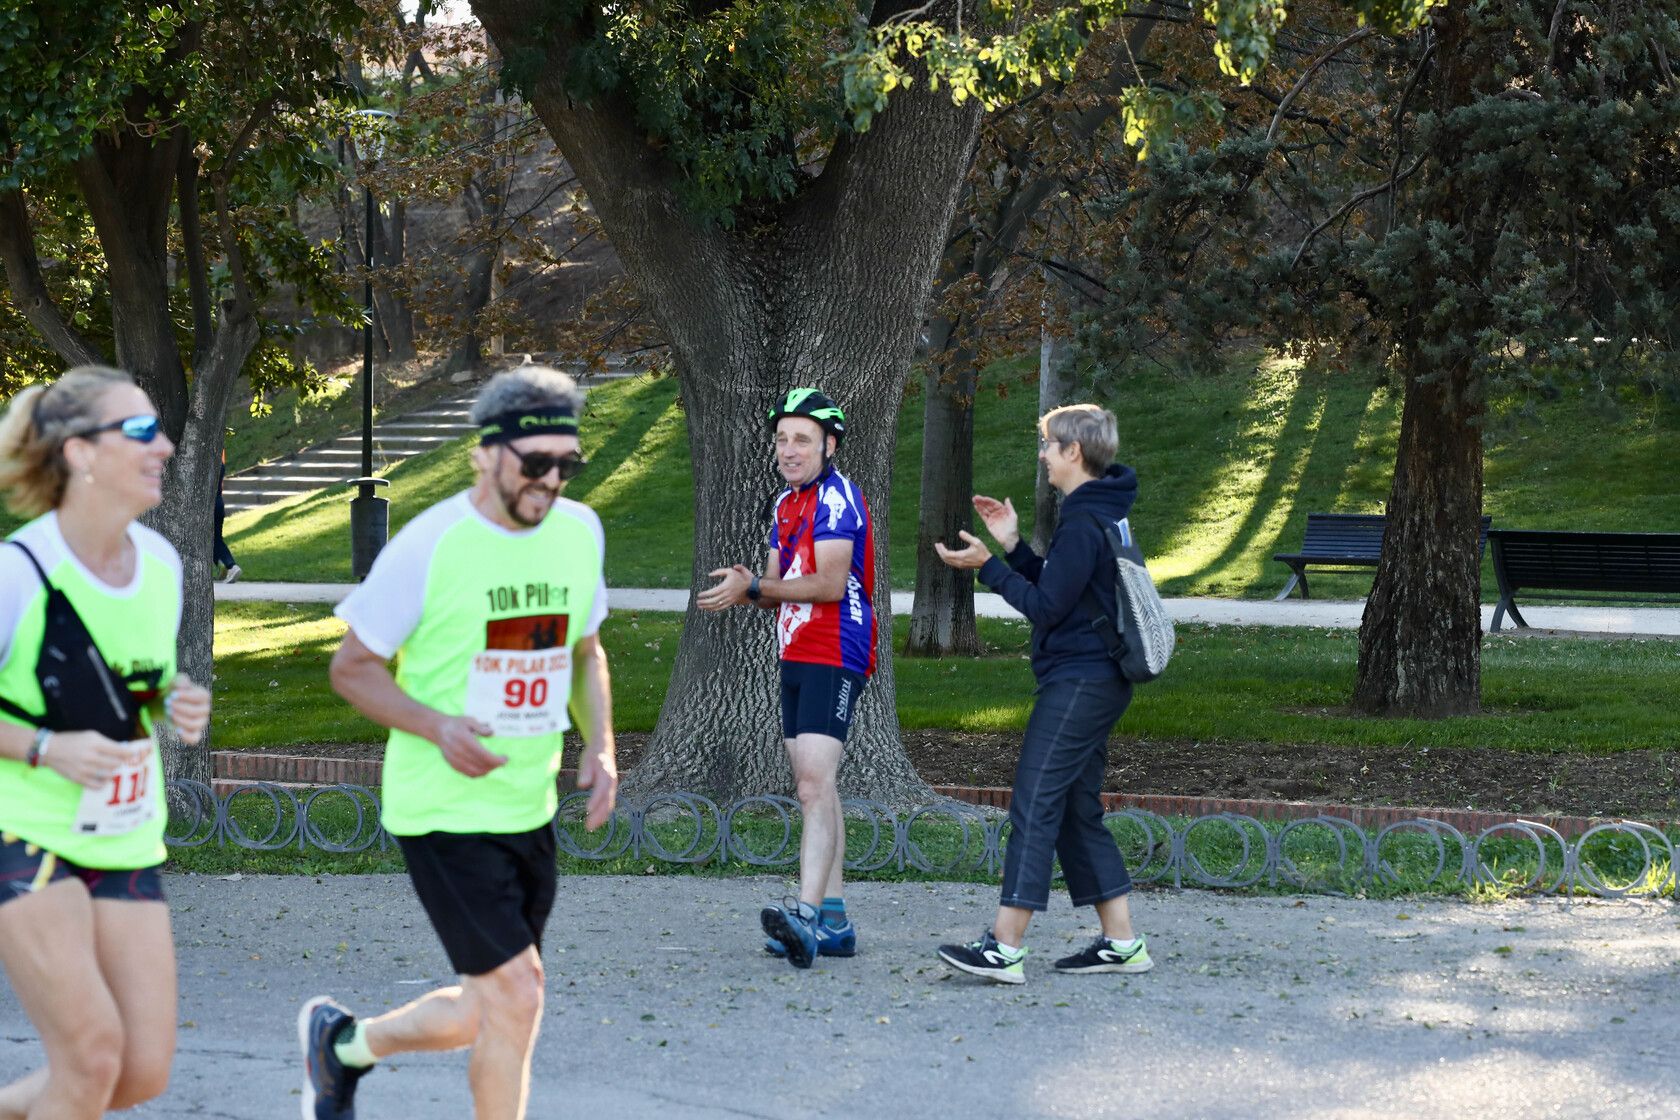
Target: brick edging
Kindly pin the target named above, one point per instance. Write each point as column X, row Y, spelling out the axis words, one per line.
column 230, row 767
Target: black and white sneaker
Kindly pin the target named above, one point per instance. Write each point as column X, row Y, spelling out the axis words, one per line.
column 329, row 1086
column 1103, row 955
column 987, row 958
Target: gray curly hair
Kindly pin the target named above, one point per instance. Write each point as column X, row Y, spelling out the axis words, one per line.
column 526, row 387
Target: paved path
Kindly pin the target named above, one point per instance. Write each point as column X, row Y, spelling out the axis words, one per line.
column 1329, row 614
column 662, row 1006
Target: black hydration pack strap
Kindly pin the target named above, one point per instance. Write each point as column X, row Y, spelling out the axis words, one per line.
column 81, row 672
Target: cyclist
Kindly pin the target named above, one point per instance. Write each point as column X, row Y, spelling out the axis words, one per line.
column 819, row 577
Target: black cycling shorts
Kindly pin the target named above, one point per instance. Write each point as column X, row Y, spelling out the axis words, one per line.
column 25, row 868
column 818, row 700
column 487, row 894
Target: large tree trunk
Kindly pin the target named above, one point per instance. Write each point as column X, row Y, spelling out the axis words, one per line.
column 1420, row 638
column 830, row 292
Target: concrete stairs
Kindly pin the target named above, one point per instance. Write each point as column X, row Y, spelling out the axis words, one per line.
column 395, row 438
column 340, row 460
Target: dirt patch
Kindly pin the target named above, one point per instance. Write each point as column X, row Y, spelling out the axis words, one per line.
column 1642, row 783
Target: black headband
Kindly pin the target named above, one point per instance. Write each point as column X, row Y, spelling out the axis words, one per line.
column 556, row 421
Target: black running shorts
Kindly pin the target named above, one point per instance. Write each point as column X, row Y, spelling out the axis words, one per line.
column 25, row 868
column 818, row 700
column 487, row 894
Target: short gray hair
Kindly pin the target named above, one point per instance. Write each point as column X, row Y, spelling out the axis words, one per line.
column 1093, row 428
column 526, row 387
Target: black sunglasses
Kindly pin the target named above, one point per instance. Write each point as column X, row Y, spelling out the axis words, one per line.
column 140, row 429
column 537, row 464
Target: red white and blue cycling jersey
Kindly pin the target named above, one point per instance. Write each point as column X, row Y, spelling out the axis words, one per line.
column 843, row 633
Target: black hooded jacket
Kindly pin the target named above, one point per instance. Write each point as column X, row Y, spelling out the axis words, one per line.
column 1047, row 590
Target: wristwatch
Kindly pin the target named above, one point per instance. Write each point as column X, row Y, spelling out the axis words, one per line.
column 38, row 748
column 753, row 591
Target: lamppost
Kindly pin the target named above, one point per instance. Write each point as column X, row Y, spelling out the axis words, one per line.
column 370, row 516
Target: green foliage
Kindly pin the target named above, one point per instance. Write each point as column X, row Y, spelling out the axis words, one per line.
column 746, row 98
column 247, row 88
column 52, row 101
column 1525, row 230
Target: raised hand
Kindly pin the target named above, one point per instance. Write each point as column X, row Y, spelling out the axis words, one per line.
column 1000, row 520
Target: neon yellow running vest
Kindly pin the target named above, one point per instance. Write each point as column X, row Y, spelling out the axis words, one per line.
column 134, row 628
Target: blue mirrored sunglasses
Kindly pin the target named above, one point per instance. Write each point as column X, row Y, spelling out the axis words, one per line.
column 141, row 429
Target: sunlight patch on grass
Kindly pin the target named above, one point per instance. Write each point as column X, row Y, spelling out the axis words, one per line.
column 1222, row 510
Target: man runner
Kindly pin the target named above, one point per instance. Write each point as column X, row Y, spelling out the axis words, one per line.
column 819, row 576
column 493, row 599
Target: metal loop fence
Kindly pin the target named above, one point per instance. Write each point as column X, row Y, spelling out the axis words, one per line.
column 1322, row 854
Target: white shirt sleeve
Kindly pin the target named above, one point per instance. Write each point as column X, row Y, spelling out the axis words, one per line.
column 18, row 586
column 598, row 611
column 386, row 608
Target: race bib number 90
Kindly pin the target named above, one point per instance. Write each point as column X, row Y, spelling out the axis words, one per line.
column 520, row 694
column 125, row 802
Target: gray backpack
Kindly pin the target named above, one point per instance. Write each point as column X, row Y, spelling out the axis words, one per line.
column 1141, row 640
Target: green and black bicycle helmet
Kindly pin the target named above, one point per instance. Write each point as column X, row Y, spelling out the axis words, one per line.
column 816, row 405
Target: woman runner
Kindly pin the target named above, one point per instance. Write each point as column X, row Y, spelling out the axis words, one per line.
column 84, row 932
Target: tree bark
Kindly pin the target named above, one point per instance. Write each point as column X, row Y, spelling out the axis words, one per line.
column 1420, row 637
column 942, row 617
column 830, row 291
column 390, row 250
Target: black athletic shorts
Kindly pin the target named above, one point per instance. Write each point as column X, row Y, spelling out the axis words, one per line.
column 818, row 700
column 25, row 868
column 488, row 894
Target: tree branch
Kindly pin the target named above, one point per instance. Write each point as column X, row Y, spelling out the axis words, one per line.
column 192, row 250
column 1306, row 76
column 29, row 288
column 1380, row 188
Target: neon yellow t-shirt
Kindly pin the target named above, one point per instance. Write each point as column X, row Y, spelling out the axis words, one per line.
column 482, row 620
column 134, row 627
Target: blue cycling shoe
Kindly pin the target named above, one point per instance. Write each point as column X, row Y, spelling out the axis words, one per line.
column 831, row 941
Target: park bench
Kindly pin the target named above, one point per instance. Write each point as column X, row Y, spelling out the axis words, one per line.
column 1343, row 542
column 1608, row 567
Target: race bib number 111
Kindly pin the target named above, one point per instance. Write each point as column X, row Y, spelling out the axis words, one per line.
column 127, row 801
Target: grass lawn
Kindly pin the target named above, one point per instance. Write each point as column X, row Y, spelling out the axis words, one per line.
column 1235, row 684
column 1229, row 463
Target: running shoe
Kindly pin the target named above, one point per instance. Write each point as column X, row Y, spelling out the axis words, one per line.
column 233, row 574
column 795, row 930
column 1103, row 955
column 986, row 958
column 329, row 1086
column 832, row 941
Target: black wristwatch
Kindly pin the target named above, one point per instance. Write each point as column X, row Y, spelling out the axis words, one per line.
column 753, row 591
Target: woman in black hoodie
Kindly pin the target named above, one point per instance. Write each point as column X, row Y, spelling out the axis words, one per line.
column 1056, row 808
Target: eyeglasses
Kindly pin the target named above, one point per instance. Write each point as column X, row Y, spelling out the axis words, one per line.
column 1047, row 444
column 140, row 429
column 537, row 464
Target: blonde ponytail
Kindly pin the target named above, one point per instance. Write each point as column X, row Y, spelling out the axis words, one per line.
column 39, row 419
